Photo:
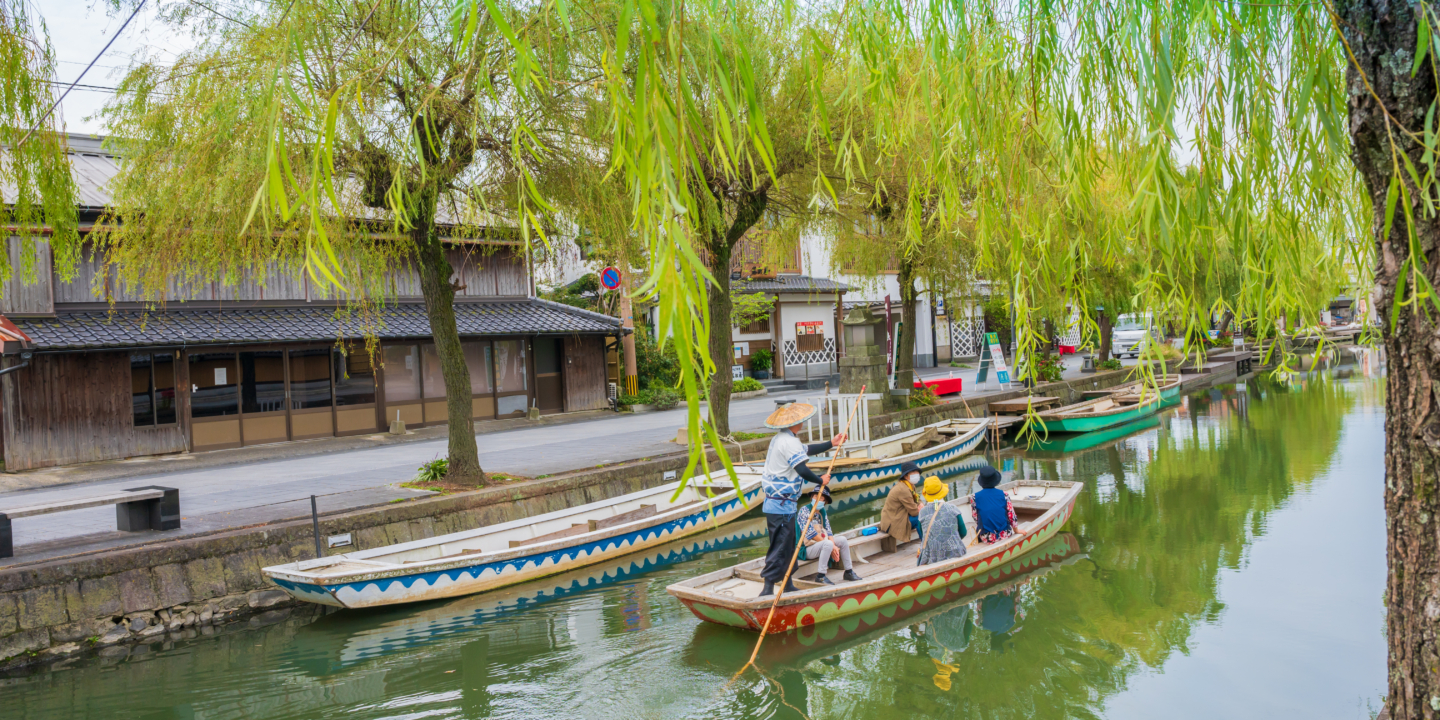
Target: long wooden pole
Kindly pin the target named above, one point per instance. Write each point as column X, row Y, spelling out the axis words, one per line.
column 780, row 591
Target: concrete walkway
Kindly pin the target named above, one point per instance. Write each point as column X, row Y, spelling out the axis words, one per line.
column 271, row 483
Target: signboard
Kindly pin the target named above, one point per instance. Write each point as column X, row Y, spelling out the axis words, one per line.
column 739, row 351
column 993, row 354
column 811, row 327
column 737, row 372
column 610, row 278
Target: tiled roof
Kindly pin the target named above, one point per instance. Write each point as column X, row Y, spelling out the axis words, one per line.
column 137, row 328
column 789, row 284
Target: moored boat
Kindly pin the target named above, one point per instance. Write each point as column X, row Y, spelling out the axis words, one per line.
column 731, row 596
column 500, row 555
column 880, row 460
column 1169, row 386
column 1108, row 411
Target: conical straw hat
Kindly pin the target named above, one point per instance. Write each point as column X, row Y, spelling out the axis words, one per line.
column 789, row 415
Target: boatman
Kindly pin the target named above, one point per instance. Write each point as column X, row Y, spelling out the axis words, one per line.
column 783, row 481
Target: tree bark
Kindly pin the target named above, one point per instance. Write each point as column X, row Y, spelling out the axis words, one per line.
column 1383, row 37
column 1225, row 321
column 435, row 272
column 905, row 349
column 1107, row 334
column 747, row 212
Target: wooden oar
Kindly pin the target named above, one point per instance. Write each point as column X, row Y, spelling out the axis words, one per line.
column 799, row 541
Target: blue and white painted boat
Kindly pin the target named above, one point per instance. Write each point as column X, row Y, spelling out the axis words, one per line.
column 880, row 460
column 501, row 555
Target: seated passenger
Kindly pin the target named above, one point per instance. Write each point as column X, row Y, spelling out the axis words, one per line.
column 943, row 529
column 994, row 515
column 897, row 517
column 819, row 542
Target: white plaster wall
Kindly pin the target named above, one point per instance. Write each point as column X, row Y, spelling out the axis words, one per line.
column 815, row 262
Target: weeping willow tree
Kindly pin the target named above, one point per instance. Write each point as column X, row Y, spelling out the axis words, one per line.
column 1241, row 160
column 37, row 194
column 355, row 139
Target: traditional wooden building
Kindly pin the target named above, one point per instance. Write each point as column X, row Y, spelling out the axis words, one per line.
column 92, row 373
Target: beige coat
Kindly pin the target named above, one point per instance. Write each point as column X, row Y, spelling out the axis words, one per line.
column 900, row 506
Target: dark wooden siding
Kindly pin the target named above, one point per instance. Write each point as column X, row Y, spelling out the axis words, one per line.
column 33, row 297
column 482, row 272
column 585, row 373
column 66, row 409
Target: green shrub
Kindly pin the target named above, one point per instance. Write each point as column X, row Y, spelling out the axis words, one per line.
column 747, row 385
column 663, row 397
column 433, row 471
column 651, row 364
column 1110, row 364
column 628, row 400
column 761, row 360
column 923, row 396
column 1047, row 368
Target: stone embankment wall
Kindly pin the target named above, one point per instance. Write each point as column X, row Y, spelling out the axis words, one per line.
column 166, row 590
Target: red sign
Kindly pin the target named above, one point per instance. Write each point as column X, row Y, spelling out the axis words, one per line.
column 610, row 278
column 811, row 327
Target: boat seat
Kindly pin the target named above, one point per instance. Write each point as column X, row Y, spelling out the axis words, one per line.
column 869, row 544
column 1032, row 505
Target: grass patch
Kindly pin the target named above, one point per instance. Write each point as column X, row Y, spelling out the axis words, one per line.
column 742, row 436
column 963, row 366
column 444, row 487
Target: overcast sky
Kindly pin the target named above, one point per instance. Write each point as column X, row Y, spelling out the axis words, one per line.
column 78, row 29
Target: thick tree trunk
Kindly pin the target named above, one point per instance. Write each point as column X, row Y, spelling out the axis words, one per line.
column 1107, row 334
column 720, row 338
column 1383, row 37
column 905, row 351
column 1225, row 321
column 439, row 295
column 747, row 213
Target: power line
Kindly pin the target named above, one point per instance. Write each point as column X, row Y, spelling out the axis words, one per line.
column 102, row 52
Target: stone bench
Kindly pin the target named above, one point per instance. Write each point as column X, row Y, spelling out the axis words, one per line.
column 145, row 508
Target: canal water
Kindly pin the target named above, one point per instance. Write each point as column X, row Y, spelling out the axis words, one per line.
column 1225, row 561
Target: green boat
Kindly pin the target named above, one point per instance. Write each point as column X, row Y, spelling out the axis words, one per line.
column 1169, row 389
column 1100, row 413
column 1070, row 443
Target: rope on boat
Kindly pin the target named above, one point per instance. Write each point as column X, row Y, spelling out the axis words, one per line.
column 814, row 507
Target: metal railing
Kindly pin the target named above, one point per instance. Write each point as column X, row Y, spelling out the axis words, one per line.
column 834, row 408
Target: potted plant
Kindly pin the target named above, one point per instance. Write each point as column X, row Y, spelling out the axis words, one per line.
column 760, row 362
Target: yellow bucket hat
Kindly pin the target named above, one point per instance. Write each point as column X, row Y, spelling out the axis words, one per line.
column 934, row 489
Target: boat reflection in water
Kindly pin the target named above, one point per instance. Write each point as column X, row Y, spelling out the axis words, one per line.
column 944, row 615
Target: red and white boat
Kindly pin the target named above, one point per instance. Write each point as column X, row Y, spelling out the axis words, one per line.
column 731, row 596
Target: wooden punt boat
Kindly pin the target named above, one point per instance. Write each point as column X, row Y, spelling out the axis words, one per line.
column 1169, row 388
column 730, row 596
column 500, row 555
column 943, row 442
column 1108, row 411
column 713, row 645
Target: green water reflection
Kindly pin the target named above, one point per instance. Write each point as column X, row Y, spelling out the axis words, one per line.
column 1133, row 602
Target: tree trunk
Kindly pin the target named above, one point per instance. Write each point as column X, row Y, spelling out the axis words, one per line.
column 1107, row 333
column 439, row 295
column 1225, row 321
column 1382, row 36
column 721, row 340
column 905, row 349
column 747, row 213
